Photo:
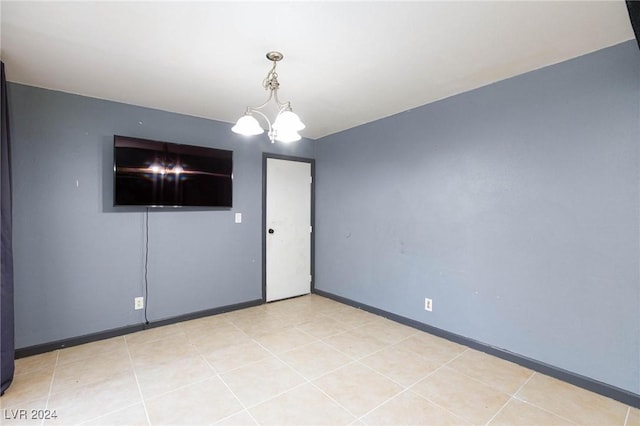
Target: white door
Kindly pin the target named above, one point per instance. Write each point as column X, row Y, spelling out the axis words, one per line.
column 288, row 228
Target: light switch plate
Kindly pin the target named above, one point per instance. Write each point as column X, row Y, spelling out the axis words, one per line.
column 238, row 217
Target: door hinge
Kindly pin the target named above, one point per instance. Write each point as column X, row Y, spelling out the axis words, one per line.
column 310, row 229
column 310, row 179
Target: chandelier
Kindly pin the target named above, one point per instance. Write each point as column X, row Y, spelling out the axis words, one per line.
column 286, row 125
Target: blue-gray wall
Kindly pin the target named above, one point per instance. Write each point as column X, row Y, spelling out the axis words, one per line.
column 515, row 207
column 79, row 262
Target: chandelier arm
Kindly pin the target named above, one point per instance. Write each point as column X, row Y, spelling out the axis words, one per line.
column 271, row 132
column 263, row 116
column 286, row 105
column 263, row 105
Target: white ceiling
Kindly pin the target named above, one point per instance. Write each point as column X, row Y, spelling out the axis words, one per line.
column 346, row 63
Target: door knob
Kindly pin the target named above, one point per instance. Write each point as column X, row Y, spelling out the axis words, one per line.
column 271, row 231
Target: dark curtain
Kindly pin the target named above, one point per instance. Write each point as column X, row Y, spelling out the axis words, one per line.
column 7, row 342
column 634, row 14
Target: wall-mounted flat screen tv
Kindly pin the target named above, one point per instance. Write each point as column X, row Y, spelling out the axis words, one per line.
column 162, row 174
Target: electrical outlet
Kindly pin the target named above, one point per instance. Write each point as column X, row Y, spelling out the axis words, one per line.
column 138, row 303
column 428, row 304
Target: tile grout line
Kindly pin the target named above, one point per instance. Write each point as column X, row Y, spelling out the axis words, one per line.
column 91, row 420
column 358, row 360
column 361, row 418
column 387, row 346
column 253, row 339
column 499, row 410
column 135, row 375
column 491, row 385
column 547, row 411
column 408, row 388
column 244, row 407
column 355, row 418
column 515, row 396
column 432, row 373
column 626, row 418
column 308, row 381
column 53, row 376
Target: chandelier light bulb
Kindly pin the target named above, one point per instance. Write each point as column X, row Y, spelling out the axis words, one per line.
column 288, row 121
column 287, row 136
column 247, row 126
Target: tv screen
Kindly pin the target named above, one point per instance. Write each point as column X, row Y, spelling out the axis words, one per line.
column 158, row 174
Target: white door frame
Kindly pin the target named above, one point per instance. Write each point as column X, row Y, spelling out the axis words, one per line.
column 312, row 162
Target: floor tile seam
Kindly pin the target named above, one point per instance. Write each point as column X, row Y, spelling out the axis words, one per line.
column 421, row 377
column 466, row 348
column 275, row 355
column 357, row 326
column 626, row 418
column 135, row 375
column 495, row 388
column 440, row 367
column 244, row 407
column 298, row 346
column 338, row 349
column 308, row 344
column 177, row 388
column 196, row 321
column 546, row 410
column 520, row 398
column 306, row 380
column 328, row 335
column 53, row 376
column 242, row 366
column 22, row 402
column 96, row 381
column 499, row 410
column 387, row 346
column 426, row 357
column 285, row 316
column 456, row 415
column 446, row 364
column 38, row 371
column 202, row 350
column 86, row 364
column 211, row 367
column 165, row 360
column 414, row 331
column 85, row 358
column 271, row 398
column 142, row 369
column 217, row 422
column 394, row 396
column 295, row 327
column 349, row 362
column 404, row 387
column 108, row 414
column 533, row 373
column 334, row 335
column 195, row 338
column 149, row 342
column 355, row 417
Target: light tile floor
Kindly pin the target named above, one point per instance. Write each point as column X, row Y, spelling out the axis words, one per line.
column 308, row 360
